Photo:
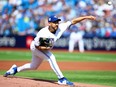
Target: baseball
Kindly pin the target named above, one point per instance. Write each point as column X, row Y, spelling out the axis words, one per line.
column 109, row 3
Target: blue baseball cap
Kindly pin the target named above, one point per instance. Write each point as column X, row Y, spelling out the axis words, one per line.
column 53, row 19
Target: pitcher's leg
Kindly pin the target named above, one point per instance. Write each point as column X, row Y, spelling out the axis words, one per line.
column 31, row 66
column 54, row 65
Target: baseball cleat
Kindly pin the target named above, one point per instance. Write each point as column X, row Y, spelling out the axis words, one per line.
column 11, row 71
column 64, row 81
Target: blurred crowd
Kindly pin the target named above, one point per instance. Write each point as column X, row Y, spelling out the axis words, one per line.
column 27, row 17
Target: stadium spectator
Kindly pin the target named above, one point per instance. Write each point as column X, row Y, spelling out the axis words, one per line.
column 7, row 8
column 34, row 11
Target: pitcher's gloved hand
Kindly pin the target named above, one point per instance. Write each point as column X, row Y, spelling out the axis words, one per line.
column 47, row 42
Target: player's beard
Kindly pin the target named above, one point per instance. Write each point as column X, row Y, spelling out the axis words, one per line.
column 52, row 29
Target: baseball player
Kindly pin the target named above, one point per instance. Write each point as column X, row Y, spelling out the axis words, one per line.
column 43, row 43
column 73, row 41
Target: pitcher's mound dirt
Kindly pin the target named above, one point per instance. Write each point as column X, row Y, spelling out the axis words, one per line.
column 28, row 82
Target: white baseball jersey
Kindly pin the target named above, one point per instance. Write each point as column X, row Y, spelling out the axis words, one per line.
column 45, row 33
column 38, row 56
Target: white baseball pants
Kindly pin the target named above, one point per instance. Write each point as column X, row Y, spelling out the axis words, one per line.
column 37, row 58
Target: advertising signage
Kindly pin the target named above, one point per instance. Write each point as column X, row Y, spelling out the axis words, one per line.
column 93, row 43
column 15, row 41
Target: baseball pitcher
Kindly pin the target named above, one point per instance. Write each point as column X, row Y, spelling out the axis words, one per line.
column 43, row 43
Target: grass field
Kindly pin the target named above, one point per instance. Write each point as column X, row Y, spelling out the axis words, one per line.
column 60, row 56
column 92, row 77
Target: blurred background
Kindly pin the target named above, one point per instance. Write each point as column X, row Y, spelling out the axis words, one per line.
column 20, row 20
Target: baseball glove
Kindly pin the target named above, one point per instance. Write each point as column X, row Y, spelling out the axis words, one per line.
column 47, row 42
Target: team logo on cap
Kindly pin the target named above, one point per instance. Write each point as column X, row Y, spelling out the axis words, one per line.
column 55, row 17
column 49, row 19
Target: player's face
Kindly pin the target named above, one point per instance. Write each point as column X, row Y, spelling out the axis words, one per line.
column 54, row 25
